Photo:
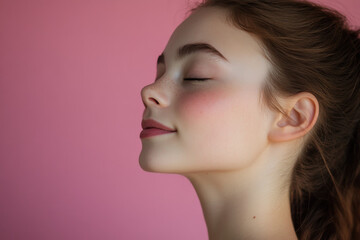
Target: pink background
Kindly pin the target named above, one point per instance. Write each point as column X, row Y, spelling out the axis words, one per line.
column 70, row 111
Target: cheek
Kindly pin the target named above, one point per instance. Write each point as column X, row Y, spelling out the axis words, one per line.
column 219, row 106
column 197, row 104
column 193, row 105
column 222, row 122
column 201, row 122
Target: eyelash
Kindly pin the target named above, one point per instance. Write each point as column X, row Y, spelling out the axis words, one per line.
column 196, row 79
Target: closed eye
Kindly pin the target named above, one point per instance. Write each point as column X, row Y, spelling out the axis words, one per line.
column 196, row 79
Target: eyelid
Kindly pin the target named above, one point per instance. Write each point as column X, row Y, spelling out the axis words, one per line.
column 196, row 79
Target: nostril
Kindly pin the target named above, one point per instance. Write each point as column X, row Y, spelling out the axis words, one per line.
column 154, row 100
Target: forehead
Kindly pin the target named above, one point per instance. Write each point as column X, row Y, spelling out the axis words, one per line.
column 210, row 25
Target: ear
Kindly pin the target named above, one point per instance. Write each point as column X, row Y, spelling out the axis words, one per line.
column 302, row 110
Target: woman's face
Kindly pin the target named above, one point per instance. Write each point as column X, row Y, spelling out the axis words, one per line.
column 221, row 123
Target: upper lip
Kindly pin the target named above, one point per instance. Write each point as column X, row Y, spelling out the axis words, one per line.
column 150, row 123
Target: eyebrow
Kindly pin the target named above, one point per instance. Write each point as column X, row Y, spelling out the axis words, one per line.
column 188, row 49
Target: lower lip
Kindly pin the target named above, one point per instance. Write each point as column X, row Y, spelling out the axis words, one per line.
column 152, row 132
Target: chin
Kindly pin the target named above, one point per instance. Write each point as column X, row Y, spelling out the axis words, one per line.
column 145, row 164
column 157, row 165
column 150, row 164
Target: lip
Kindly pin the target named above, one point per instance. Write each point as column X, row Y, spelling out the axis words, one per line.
column 153, row 128
column 150, row 123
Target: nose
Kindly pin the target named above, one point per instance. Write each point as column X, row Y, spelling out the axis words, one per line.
column 154, row 95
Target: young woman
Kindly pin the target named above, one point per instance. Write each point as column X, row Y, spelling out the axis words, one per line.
column 257, row 103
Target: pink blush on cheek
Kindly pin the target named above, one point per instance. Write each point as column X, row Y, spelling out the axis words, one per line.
column 199, row 104
column 218, row 106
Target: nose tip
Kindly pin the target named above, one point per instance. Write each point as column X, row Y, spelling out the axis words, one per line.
column 150, row 96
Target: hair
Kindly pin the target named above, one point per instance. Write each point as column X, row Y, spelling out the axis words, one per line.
column 312, row 49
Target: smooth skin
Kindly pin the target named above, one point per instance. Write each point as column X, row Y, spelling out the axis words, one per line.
column 237, row 153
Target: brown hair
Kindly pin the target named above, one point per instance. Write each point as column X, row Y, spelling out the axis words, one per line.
column 312, row 49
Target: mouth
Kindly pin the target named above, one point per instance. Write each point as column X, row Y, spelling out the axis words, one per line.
column 150, row 132
column 150, row 123
column 154, row 128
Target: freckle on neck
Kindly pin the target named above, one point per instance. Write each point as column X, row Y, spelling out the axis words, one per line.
column 254, row 217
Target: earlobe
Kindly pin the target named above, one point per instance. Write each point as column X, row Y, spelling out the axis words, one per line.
column 302, row 113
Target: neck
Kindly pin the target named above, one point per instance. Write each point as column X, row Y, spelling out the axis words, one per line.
column 244, row 205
